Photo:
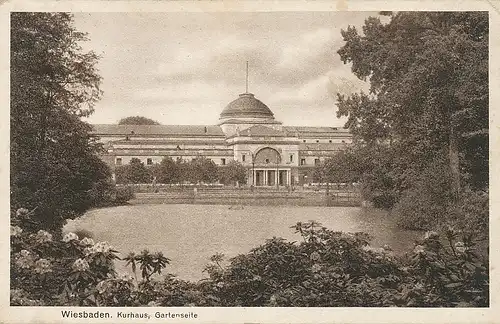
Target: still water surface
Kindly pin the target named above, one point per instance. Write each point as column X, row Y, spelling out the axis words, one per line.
column 190, row 234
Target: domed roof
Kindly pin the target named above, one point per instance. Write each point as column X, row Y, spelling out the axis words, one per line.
column 246, row 106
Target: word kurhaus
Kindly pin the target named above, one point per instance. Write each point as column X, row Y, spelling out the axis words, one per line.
column 85, row 314
column 132, row 315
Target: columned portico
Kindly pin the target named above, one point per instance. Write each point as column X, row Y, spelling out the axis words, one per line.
column 268, row 177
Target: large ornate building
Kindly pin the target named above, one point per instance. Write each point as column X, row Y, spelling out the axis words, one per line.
column 247, row 133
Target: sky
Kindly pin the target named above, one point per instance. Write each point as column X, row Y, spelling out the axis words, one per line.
column 184, row 68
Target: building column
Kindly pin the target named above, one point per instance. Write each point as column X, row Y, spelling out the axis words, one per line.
column 265, row 177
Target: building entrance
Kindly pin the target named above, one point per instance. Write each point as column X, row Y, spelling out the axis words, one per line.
column 271, row 177
column 271, row 181
column 259, row 178
column 283, row 178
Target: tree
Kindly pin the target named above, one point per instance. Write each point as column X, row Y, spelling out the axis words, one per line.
column 54, row 161
column 424, row 122
column 201, row 169
column 167, row 171
column 134, row 172
column 137, row 120
column 232, row 173
column 183, row 169
column 345, row 166
column 428, row 73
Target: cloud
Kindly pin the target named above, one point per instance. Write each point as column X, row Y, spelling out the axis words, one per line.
column 177, row 92
column 346, row 85
column 316, row 89
column 181, row 66
column 311, row 46
column 223, row 62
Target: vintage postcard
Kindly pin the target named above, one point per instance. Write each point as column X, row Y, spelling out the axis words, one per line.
column 249, row 162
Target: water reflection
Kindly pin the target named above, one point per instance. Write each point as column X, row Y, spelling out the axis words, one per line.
column 190, row 234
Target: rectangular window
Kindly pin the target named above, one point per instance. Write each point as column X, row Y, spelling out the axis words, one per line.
column 302, row 161
column 149, row 161
column 291, row 158
column 118, row 161
column 223, row 161
column 316, row 161
column 243, row 158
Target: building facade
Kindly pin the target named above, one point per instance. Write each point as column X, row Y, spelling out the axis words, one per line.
column 272, row 153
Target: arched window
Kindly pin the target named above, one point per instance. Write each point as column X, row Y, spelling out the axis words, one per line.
column 268, row 155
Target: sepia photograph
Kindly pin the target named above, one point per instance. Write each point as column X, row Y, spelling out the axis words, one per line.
column 248, row 159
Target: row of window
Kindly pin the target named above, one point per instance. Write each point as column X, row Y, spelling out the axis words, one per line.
column 303, row 161
column 149, row 161
column 317, row 141
column 243, row 158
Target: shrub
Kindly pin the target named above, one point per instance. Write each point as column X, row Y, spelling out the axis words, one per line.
column 83, row 233
column 471, row 213
column 49, row 271
column 425, row 204
column 124, row 194
column 340, row 269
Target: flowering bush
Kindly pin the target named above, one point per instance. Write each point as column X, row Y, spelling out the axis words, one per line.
column 49, row 271
column 340, row 269
column 326, row 269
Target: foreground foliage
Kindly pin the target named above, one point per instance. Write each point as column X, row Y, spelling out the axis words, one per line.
column 327, row 268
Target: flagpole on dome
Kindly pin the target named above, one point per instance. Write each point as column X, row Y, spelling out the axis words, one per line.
column 246, row 88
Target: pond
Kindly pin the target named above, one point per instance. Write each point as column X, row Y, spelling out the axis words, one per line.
column 190, row 234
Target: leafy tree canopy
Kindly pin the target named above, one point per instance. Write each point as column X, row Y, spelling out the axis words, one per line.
column 424, row 122
column 428, row 73
column 201, row 169
column 54, row 162
column 137, row 120
column 167, row 171
column 134, row 172
column 233, row 172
